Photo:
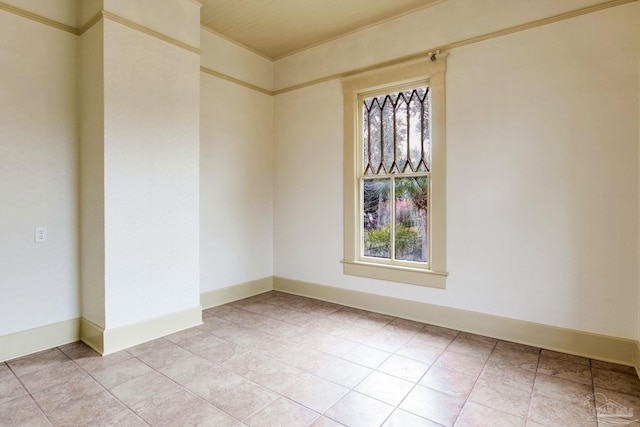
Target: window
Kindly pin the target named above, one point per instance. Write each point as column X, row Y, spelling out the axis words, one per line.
column 394, row 175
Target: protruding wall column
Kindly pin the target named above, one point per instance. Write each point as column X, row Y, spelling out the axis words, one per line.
column 140, row 85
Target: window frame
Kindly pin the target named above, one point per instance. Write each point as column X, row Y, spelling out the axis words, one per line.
column 429, row 71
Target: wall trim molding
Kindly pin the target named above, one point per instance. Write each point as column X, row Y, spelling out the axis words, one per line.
column 236, row 81
column 95, row 19
column 37, row 339
column 38, row 18
column 601, row 347
column 465, row 42
column 448, row 47
column 235, row 292
column 90, row 23
column 148, row 31
column 107, row 341
column 123, row 337
column 444, row 48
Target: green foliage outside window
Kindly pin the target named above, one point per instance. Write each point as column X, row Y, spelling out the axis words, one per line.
column 379, row 240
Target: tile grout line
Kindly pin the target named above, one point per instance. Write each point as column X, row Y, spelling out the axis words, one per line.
column 533, row 386
column 318, row 414
column 153, row 370
column 280, row 395
column 27, row 390
column 208, row 370
column 107, row 389
column 593, row 392
column 417, row 383
column 353, row 389
column 484, row 365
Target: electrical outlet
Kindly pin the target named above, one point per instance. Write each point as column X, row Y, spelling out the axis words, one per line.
column 41, row 234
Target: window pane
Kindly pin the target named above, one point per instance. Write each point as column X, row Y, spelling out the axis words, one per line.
column 402, row 141
column 375, row 137
column 388, row 135
column 396, row 134
column 376, row 217
column 366, row 161
column 415, row 130
column 426, row 118
column 411, row 239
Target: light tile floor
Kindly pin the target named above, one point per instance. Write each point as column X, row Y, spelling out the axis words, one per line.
column 282, row 360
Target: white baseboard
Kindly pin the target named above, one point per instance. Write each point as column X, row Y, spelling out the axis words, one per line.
column 33, row 340
column 112, row 340
column 30, row 341
column 92, row 335
column 594, row 346
column 233, row 293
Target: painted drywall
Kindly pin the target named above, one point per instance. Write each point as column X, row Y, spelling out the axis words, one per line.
column 308, row 185
column 542, row 141
column 38, row 175
column 91, row 133
column 446, row 22
column 151, row 176
column 86, row 10
column 228, row 58
column 236, row 184
column 167, row 17
column 62, row 11
column 546, row 171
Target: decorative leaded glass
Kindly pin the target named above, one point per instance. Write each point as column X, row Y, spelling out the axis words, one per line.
column 396, row 133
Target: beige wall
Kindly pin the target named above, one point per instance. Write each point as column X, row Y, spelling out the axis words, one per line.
column 91, row 135
column 164, row 16
column 542, row 170
column 236, row 185
column 228, row 58
column 38, row 174
column 236, row 166
column 86, row 10
column 543, row 166
column 62, row 11
column 151, row 175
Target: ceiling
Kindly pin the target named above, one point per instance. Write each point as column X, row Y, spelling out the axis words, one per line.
column 275, row 28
